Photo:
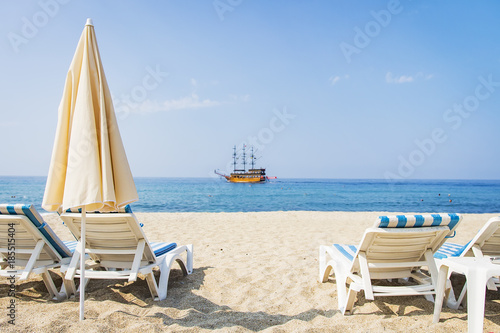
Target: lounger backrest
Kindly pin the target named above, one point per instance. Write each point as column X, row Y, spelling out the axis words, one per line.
column 27, row 229
column 404, row 239
column 487, row 239
column 419, row 221
column 111, row 232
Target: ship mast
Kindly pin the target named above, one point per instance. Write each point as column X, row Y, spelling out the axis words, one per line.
column 253, row 159
column 244, row 159
column 234, row 159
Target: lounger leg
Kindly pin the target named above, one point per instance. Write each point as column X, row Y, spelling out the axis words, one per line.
column 49, row 284
column 365, row 275
column 153, row 287
column 137, row 260
column 189, row 259
column 431, row 266
column 184, row 264
column 441, row 284
column 324, row 269
column 164, row 275
column 340, row 281
column 462, row 299
column 68, row 287
column 351, row 298
column 159, row 290
column 449, row 295
column 85, row 283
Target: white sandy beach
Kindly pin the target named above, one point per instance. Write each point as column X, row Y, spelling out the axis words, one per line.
column 252, row 272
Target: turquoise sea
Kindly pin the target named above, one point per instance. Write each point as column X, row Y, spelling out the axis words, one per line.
column 216, row 195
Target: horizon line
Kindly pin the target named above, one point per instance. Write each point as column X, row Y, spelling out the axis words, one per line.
column 292, row 178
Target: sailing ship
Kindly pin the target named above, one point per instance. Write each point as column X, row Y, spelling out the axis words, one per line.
column 252, row 175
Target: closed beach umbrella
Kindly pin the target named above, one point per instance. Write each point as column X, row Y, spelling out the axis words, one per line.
column 89, row 167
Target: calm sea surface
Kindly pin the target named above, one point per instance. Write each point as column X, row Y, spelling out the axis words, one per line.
column 216, row 195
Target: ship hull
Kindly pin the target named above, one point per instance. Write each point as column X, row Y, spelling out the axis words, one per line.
column 241, row 178
column 251, row 176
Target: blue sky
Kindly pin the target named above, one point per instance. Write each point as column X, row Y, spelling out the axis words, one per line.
column 323, row 89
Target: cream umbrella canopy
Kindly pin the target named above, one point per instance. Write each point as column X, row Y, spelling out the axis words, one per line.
column 89, row 167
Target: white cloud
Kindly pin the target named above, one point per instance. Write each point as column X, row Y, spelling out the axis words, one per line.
column 334, row 79
column 242, row 98
column 188, row 102
column 424, row 76
column 390, row 78
column 126, row 104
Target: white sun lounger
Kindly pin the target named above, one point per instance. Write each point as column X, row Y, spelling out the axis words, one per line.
column 486, row 243
column 396, row 247
column 29, row 246
column 117, row 243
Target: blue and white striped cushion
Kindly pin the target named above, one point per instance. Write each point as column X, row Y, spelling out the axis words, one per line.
column 450, row 250
column 349, row 251
column 71, row 245
column 412, row 221
column 160, row 248
column 126, row 209
column 32, row 214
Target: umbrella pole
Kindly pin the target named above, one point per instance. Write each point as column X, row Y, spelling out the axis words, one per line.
column 82, row 263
